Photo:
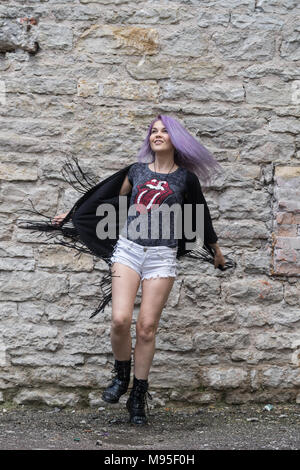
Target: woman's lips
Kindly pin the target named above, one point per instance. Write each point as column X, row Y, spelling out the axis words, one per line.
column 151, row 192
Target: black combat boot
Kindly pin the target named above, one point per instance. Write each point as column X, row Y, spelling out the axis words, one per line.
column 136, row 401
column 119, row 383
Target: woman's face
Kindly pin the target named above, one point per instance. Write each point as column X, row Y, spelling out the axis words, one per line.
column 159, row 138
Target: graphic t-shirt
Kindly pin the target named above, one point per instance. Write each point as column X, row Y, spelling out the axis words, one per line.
column 155, row 199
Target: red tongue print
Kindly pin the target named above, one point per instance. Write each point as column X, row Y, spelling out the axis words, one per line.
column 151, row 192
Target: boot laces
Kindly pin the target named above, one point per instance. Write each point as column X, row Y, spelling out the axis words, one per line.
column 114, row 372
column 142, row 394
column 149, row 396
column 118, row 372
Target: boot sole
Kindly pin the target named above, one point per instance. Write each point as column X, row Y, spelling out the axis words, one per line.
column 142, row 423
column 131, row 417
column 111, row 400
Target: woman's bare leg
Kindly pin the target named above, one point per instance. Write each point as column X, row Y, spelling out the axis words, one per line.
column 124, row 290
column 155, row 293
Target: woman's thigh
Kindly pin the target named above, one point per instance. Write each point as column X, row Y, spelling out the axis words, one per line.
column 125, row 284
column 155, row 293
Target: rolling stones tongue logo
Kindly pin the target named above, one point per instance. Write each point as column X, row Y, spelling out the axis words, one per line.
column 151, row 192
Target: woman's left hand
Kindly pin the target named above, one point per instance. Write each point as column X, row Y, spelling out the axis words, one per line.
column 219, row 259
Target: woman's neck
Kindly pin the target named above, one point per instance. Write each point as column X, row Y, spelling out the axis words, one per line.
column 163, row 162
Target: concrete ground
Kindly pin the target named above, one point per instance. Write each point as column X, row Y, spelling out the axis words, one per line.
column 207, row 427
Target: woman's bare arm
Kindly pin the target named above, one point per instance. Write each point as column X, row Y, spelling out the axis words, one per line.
column 126, row 187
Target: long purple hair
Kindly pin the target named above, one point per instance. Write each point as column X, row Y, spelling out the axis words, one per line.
column 188, row 152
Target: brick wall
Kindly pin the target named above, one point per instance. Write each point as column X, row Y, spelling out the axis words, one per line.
column 286, row 255
column 86, row 78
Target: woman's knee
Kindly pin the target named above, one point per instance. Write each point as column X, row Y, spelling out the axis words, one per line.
column 145, row 331
column 121, row 324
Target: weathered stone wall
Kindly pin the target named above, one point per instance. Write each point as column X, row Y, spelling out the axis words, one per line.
column 85, row 78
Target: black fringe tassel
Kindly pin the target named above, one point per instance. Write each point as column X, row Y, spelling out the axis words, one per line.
column 74, row 175
column 53, row 231
column 68, row 231
column 206, row 253
column 64, row 233
column 106, row 292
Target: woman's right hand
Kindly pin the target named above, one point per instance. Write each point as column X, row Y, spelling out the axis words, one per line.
column 58, row 218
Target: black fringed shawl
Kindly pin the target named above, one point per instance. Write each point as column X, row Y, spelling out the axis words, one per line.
column 78, row 228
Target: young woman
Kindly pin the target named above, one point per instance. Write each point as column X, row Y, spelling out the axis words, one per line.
column 176, row 158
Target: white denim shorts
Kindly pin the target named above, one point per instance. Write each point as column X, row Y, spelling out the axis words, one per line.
column 148, row 261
